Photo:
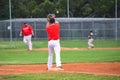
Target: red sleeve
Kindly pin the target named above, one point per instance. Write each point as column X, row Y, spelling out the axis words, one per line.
column 31, row 28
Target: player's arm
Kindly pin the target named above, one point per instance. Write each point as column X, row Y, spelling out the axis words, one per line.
column 32, row 32
column 20, row 33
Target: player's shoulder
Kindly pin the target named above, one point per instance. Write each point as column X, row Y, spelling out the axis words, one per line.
column 23, row 26
column 29, row 26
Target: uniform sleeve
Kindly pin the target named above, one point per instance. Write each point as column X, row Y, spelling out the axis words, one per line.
column 58, row 25
column 31, row 28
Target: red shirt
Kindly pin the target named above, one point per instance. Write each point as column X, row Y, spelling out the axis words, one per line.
column 53, row 31
column 26, row 30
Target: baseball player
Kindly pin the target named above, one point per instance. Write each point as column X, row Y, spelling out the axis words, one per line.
column 27, row 32
column 91, row 33
column 53, row 29
column 90, row 40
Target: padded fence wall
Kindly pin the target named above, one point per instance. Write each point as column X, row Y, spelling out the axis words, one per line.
column 71, row 28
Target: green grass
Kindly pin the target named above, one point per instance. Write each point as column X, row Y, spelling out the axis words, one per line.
column 20, row 44
column 64, row 43
column 23, row 57
column 91, row 56
column 57, row 76
column 83, row 43
column 38, row 57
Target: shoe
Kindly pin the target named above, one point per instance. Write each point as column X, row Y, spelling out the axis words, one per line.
column 49, row 69
column 59, row 68
column 29, row 49
column 54, row 69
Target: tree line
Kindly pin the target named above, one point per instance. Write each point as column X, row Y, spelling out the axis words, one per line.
column 77, row 8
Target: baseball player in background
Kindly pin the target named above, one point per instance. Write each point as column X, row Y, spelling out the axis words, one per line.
column 90, row 40
column 53, row 29
column 27, row 32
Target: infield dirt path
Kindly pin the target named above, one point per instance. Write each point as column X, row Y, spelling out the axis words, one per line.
column 65, row 48
column 109, row 69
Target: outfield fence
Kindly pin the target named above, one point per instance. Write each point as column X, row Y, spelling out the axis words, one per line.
column 71, row 28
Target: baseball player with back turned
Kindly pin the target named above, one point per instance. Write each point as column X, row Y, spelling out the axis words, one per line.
column 27, row 31
column 53, row 29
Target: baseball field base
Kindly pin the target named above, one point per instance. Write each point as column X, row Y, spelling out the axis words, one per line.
column 56, row 69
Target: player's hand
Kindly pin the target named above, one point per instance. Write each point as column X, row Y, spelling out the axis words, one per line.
column 20, row 35
column 32, row 35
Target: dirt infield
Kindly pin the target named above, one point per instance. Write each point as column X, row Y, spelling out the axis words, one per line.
column 109, row 69
column 65, row 48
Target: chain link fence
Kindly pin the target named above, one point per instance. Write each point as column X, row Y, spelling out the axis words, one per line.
column 71, row 28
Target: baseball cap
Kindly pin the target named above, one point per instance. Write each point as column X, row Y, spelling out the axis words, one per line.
column 52, row 20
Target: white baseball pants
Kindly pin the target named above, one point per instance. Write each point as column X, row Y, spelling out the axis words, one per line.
column 27, row 41
column 53, row 46
column 90, row 42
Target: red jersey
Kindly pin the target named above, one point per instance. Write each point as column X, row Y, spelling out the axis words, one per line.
column 26, row 30
column 53, row 31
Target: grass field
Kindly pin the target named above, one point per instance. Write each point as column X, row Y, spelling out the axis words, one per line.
column 57, row 76
column 38, row 57
column 64, row 43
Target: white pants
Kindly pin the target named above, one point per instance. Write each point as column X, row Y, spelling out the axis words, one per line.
column 53, row 46
column 27, row 41
column 90, row 43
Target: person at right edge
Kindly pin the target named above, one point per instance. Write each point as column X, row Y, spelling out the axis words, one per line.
column 53, row 29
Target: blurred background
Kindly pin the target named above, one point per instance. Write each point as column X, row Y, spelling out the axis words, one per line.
column 76, row 17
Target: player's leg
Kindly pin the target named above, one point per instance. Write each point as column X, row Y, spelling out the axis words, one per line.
column 57, row 52
column 92, row 45
column 29, row 43
column 89, row 44
column 50, row 54
column 25, row 40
